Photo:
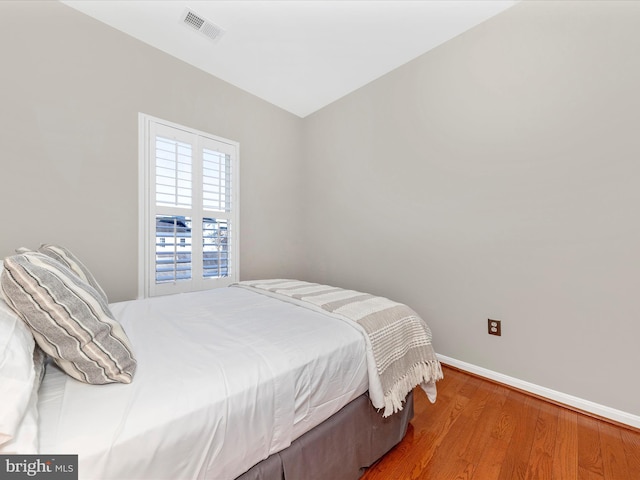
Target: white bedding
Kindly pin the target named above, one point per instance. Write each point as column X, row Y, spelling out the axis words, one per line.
column 225, row 378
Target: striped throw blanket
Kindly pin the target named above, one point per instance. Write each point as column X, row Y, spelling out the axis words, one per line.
column 400, row 355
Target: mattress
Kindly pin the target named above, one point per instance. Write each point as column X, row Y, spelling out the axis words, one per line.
column 225, row 378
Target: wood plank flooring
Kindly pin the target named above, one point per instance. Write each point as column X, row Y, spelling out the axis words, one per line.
column 480, row 430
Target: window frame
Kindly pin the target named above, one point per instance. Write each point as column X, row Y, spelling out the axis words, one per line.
column 147, row 210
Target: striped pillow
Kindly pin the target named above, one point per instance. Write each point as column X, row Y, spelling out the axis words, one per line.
column 73, row 263
column 69, row 319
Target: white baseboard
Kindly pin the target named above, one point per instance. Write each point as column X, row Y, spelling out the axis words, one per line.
column 570, row 400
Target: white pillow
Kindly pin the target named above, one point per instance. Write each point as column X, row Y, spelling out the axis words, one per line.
column 19, row 382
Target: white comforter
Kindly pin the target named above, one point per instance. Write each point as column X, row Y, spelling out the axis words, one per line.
column 225, row 378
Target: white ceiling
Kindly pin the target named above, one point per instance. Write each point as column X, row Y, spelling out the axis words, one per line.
column 299, row 55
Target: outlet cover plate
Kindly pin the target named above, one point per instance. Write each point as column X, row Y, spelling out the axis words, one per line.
column 494, row 327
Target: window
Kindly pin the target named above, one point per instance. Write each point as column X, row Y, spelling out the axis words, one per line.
column 188, row 207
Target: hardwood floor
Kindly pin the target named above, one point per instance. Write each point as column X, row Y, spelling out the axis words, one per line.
column 479, row 430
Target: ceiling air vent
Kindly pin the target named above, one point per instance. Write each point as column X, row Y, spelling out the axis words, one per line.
column 201, row 24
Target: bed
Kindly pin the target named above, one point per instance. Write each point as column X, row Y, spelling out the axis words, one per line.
column 260, row 380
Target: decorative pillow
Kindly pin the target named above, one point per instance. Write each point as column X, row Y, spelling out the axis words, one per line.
column 73, row 263
column 69, row 319
column 20, row 365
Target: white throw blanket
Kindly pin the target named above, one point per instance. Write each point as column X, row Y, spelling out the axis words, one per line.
column 400, row 355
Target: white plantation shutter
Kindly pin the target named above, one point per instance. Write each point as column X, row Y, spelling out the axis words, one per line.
column 173, row 172
column 189, row 208
column 216, row 175
column 173, row 247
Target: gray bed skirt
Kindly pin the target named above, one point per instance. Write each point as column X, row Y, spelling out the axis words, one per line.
column 341, row 448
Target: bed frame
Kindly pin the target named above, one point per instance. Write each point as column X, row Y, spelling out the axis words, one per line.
column 340, row 448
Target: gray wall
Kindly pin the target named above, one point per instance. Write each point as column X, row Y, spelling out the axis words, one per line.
column 498, row 176
column 70, row 92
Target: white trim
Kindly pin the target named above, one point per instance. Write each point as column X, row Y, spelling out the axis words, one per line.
column 143, row 188
column 564, row 398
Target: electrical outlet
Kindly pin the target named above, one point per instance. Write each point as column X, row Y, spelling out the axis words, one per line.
column 495, row 327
